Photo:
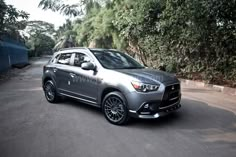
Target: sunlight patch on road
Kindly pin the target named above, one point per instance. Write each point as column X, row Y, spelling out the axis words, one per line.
column 217, row 135
column 21, row 90
column 30, row 89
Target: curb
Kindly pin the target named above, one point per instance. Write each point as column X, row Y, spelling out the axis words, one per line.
column 225, row 90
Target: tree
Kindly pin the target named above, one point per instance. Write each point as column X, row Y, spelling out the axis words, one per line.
column 40, row 44
column 10, row 22
column 194, row 38
column 65, row 35
column 39, row 39
column 39, row 27
column 200, row 35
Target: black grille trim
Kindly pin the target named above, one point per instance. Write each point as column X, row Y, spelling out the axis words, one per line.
column 171, row 96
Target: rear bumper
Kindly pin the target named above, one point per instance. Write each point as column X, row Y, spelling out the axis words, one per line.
column 161, row 112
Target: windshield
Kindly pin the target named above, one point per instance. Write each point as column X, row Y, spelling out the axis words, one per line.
column 111, row 59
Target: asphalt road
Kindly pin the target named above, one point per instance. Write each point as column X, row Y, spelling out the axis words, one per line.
column 32, row 127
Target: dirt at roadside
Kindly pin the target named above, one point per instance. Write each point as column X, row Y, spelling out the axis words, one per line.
column 217, row 80
column 4, row 76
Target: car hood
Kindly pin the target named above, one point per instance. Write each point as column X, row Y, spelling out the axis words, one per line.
column 149, row 75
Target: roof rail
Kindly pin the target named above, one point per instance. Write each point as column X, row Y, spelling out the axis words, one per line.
column 72, row 48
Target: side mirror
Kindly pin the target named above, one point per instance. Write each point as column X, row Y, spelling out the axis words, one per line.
column 88, row 66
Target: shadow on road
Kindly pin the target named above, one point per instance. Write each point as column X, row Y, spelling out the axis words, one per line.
column 212, row 124
column 81, row 106
column 192, row 115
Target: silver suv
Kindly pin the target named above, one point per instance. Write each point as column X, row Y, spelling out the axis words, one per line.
column 113, row 81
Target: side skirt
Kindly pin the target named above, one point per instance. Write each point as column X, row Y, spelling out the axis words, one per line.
column 92, row 103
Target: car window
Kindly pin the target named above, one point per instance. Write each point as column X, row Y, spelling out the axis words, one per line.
column 54, row 60
column 81, row 58
column 111, row 59
column 64, row 58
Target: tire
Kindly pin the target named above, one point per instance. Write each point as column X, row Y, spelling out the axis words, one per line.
column 115, row 109
column 50, row 92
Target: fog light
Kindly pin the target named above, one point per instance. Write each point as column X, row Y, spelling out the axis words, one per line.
column 146, row 106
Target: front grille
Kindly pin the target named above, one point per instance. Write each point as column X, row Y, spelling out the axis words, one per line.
column 171, row 95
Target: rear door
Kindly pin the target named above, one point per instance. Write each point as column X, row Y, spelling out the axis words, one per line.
column 62, row 72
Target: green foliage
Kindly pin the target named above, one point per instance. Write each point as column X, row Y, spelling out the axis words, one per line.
column 39, row 27
column 81, row 7
column 59, row 5
column 201, row 36
column 40, row 37
column 65, row 36
column 9, row 20
column 40, row 44
column 188, row 37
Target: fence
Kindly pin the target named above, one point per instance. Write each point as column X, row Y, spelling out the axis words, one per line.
column 12, row 52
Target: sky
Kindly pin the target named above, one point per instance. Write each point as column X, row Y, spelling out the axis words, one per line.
column 31, row 7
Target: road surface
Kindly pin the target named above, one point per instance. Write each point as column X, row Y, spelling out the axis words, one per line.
column 205, row 126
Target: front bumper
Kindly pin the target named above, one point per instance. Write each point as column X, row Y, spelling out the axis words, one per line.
column 156, row 104
column 161, row 112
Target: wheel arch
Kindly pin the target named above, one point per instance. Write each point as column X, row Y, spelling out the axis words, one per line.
column 106, row 91
column 109, row 90
column 46, row 78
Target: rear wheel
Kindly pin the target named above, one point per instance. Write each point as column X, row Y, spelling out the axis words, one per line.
column 115, row 108
column 50, row 92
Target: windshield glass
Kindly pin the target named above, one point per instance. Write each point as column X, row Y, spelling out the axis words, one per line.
column 111, row 59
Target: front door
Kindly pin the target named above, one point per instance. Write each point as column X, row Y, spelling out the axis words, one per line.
column 85, row 81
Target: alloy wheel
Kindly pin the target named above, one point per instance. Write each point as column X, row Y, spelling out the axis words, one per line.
column 114, row 109
column 49, row 91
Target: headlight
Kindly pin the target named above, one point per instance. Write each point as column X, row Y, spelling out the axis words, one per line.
column 143, row 87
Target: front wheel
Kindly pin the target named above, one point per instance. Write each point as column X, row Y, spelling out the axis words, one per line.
column 115, row 108
column 50, row 92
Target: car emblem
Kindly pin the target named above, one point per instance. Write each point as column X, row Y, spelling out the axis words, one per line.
column 173, row 87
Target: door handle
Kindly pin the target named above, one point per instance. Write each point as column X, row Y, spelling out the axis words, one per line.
column 72, row 75
column 54, row 70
